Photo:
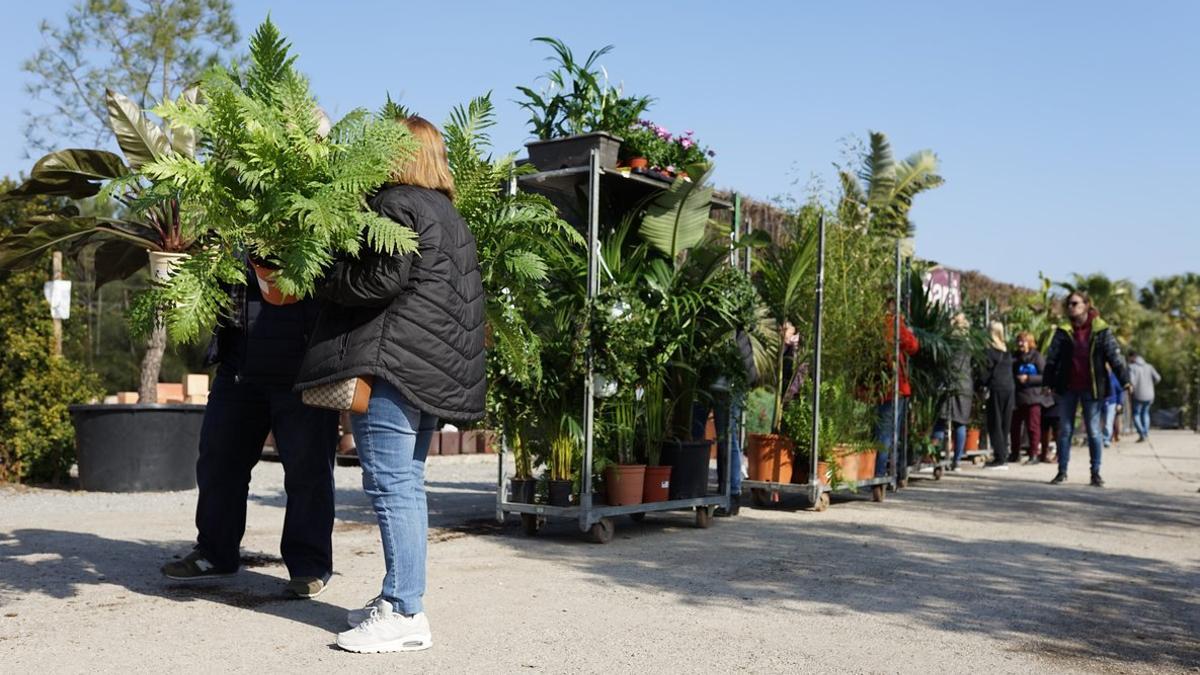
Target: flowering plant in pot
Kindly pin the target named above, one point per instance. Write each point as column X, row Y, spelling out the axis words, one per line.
column 662, row 152
column 577, row 111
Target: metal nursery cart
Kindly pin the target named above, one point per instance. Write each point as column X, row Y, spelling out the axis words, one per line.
column 597, row 519
column 815, row 490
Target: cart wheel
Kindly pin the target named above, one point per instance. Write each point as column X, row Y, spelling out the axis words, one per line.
column 877, row 493
column 760, row 498
column 703, row 517
column 530, row 524
column 637, row 517
column 977, row 460
column 822, row 502
column 602, row 531
column 937, row 472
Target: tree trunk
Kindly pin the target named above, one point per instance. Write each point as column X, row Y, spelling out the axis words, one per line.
column 152, row 365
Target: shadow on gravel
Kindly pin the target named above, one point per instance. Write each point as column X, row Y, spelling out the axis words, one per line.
column 58, row 564
column 1051, row 600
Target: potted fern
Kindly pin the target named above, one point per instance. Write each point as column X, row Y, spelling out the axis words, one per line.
column 578, row 111
column 271, row 180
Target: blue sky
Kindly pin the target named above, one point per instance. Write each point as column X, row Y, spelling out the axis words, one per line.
column 1067, row 130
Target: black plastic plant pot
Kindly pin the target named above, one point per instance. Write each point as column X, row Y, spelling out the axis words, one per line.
column 562, row 153
column 137, row 448
column 689, row 467
column 523, row 490
column 560, row 493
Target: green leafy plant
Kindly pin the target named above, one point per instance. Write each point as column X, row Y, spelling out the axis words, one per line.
column 270, row 183
column 118, row 243
column 519, row 237
column 578, row 98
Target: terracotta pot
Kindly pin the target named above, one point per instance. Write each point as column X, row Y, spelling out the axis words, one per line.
column 972, row 439
column 657, row 484
column 266, row 285
column 639, row 163
column 162, row 264
column 623, row 484
column 866, row 464
column 769, row 458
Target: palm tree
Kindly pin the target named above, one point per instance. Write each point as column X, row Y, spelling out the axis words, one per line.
column 877, row 198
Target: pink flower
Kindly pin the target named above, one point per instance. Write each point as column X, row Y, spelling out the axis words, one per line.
column 689, row 132
column 686, row 143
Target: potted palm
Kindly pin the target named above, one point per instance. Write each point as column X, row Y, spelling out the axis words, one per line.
column 579, row 111
column 781, row 276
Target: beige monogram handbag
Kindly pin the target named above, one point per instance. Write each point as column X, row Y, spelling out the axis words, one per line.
column 352, row 395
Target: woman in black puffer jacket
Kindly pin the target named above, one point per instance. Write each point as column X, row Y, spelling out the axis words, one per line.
column 414, row 323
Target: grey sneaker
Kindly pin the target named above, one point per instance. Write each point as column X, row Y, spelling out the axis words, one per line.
column 385, row 630
column 307, row 587
column 194, row 567
column 357, row 616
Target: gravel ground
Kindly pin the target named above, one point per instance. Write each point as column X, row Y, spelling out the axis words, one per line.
column 982, row 571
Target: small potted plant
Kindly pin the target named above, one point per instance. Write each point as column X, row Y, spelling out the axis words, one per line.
column 562, row 460
column 578, row 112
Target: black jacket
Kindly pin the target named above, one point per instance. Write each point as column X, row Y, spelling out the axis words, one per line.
column 997, row 375
column 1032, row 391
column 263, row 343
column 1103, row 349
column 415, row 321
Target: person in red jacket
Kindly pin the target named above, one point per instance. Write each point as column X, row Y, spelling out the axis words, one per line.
column 886, row 410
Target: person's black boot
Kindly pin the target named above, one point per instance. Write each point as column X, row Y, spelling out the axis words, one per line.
column 1059, row 478
column 1097, row 481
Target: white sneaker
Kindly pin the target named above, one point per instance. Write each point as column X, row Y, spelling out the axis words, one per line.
column 357, row 616
column 385, row 630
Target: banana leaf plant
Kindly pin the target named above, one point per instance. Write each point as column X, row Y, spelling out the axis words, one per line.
column 120, row 244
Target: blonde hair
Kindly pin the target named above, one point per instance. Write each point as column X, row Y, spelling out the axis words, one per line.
column 998, row 342
column 429, row 166
column 1026, row 337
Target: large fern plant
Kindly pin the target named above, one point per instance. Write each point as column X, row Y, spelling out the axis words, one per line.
column 272, row 180
column 516, row 234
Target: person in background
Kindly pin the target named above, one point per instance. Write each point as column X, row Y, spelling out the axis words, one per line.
column 413, row 322
column 1142, row 377
column 1031, row 397
column 890, row 409
column 1112, row 405
column 956, row 406
column 997, row 379
column 1075, row 368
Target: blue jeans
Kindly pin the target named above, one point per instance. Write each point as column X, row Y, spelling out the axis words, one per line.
column 960, row 437
column 1141, row 417
column 727, row 421
column 1110, row 418
column 1092, row 411
column 883, row 433
column 393, row 439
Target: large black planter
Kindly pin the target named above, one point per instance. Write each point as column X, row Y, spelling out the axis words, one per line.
column 137, row 448
column 524, row 490
column 689, row 467
column 562, row 153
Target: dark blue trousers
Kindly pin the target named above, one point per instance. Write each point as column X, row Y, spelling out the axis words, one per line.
column 236, row 422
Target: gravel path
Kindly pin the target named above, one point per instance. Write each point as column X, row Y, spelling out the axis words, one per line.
column 982, row 571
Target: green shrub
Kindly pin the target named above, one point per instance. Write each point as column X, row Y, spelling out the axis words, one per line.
column 36, row 437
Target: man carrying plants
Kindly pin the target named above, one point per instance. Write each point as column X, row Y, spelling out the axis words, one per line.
column 1075, row 368
column 258, row 352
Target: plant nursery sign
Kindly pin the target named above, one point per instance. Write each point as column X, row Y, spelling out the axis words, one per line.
column 944, row 287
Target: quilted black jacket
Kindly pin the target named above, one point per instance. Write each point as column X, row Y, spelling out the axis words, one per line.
column 415, row 321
